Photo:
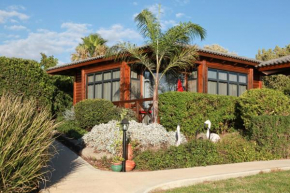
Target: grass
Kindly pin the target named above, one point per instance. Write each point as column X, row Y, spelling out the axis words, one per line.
column 278, row 181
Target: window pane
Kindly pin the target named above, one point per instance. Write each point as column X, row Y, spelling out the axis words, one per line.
column 116, row 74
column 212, row 74
column 148, row 89
column 134, row 74
column 135, row 89
column 98, row 77
column 223, row 90
column 90, row 78
column 192, row 85
column 243, row 78
column 107, row 75
column 233, row 90
column 212, row 87
column 193, row 75
column 98, row 91
column 90, row 91
column 223, row 76
column 107, row 91
column 116, row 91
column 233, row 77
column 242, row 89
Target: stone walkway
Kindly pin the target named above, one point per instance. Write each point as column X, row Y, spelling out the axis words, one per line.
column 73, row 175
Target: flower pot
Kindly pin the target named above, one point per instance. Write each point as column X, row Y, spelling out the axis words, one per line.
column 129, row 152
column 116, row 167
column 130, row 165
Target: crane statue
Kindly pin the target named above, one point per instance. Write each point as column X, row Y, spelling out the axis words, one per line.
column 211, row 136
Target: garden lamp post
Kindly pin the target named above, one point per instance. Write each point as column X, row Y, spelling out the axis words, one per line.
column 125, row 126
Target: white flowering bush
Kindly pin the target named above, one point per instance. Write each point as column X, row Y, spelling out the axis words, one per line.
column 108, row 137
column 69, row 114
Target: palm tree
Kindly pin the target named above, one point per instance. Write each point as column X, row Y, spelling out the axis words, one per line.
column 165, row 51
column 92, row 46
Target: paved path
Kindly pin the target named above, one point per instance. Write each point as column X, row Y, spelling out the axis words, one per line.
column 73, row 175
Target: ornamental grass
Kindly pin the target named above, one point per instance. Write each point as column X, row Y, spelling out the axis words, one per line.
column 25, row 144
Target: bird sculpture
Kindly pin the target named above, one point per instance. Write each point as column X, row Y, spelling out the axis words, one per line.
column 178, row 136
column 211, row 136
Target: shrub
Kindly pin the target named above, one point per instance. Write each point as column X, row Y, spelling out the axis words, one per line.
column 27, row 78
column 191, row 110
column 277, row 82
column 91, row 112
column 194, row 153
column 26, row 136
column 107, row 137
column 256, row 102
column 234, row 148
column 272, row 134
column 71, row 129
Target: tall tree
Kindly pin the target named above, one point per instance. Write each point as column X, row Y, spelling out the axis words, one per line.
column 270, row 54
column 47, row 62
column 91, row 46
column 216, row 47
column 167, row 51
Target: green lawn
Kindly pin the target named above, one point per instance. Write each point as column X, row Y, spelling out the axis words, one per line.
column 265, row 182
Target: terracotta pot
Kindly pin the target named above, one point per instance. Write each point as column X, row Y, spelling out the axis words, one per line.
column 129, row 152
column 130, row 165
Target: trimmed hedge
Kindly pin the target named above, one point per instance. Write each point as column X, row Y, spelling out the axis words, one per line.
column 191, row 110
column 26, row 78
column 256, row 102
column 91, row 112
column 233, row 148
column 272, row 134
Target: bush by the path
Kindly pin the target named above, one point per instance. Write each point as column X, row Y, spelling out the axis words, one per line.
column 272, row 134
column 26, row 136
column 232, row 148
column 257, row 102
column 191, row 110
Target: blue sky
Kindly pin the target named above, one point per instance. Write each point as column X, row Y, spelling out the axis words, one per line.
column 55, row 27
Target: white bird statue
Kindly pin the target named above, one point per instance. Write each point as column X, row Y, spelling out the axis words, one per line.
column 178, row 137
column 211, row 136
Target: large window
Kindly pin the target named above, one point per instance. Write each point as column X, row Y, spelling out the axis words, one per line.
column 135, row 85
column 226, row 83
column 104, row 85
column 192, row 81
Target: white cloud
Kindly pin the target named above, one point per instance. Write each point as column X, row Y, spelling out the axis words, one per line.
column 182, row 2
column 165, row 24
column 135, row 3
column 117, row 33
column 5, row 15
column 179, row 15
column 134, row 15
column 16, row 7
column 15, row 27
column 48, row 42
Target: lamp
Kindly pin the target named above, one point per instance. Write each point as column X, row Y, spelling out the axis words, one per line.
column 125, row 126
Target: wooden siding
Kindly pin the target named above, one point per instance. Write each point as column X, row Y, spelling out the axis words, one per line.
column 257, row 80
column 77, row 92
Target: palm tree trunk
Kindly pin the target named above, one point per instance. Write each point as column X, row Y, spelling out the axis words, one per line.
column 155, row 100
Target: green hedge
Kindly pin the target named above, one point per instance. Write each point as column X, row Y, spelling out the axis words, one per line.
column 26, row 78
column 272, row 134
column 191, row 110
column 194, row 153
column 233, row 148
column 91, row 112
column 256, row 102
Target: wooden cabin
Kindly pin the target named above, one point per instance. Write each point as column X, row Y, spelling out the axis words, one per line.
column 131, row 87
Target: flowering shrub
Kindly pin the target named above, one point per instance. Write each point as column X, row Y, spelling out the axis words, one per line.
column 108, row 137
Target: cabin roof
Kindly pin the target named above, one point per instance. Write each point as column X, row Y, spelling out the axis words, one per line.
column 273, row 62
column 200, row 50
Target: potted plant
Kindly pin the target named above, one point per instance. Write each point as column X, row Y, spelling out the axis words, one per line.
column 117, row 163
